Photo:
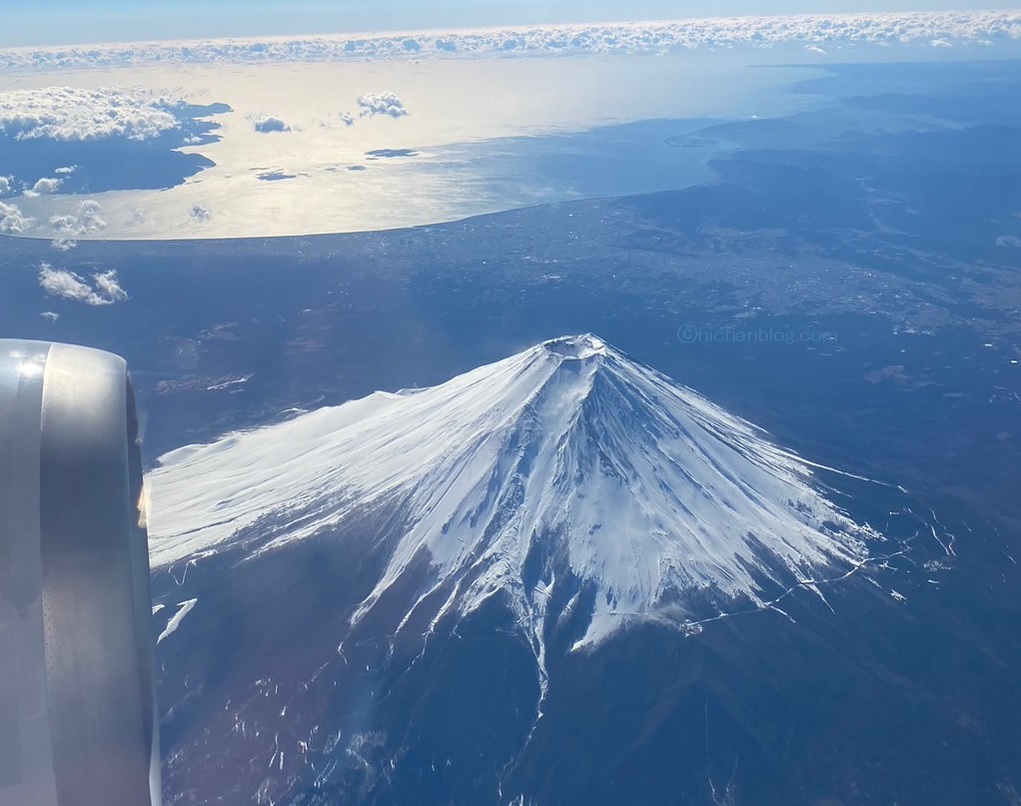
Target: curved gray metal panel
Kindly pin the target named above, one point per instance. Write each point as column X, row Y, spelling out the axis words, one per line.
column 77, row 708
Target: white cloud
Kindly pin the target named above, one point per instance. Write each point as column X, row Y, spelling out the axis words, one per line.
column 137, row 216
column 70, row 114
column 12, row 220
column 6, row 185
column 381, row 103
column 63, row 223
column 66, row 284
column 822, row 30
column 104, row 289
column 67, row 169
column 88, row 221
column 44, row 186
column 268, row 123
column 50, row 316
column 347, row 118
column 107, row 285
column 63, row 244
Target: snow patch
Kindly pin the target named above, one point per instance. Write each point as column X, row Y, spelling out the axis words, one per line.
column 183, row 609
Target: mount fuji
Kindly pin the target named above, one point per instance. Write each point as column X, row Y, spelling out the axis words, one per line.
column 402, row 598
column 567, row 464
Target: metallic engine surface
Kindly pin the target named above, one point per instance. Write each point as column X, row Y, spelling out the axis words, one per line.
column 77, row 704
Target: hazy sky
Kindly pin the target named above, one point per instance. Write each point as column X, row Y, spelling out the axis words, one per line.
column 55, row 22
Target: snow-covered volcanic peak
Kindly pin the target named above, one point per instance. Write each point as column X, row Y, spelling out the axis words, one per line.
column 566, row 464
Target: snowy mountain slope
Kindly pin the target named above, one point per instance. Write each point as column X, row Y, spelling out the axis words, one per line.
column 565, row 465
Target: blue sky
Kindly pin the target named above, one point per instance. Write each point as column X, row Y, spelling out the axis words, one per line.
column 54, row 22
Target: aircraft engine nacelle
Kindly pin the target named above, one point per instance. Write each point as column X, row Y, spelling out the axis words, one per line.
column 78, row 720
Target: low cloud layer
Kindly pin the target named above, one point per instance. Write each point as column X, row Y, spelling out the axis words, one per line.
column 101, row 288
column 810, row 31
column 61, row 140
column 70, row 114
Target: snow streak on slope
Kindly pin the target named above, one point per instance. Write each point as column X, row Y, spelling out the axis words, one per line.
column 567, row 464
column 183, row 609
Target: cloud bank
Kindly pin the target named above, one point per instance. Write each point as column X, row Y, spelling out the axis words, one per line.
column 103, row 290
column 69, row 114
column 810, row 31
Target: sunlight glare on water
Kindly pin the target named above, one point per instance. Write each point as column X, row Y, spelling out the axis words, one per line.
column 463, row 148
